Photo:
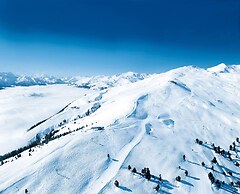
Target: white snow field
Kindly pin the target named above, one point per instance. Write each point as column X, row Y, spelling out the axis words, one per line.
column 22, row 107
column 151, row 123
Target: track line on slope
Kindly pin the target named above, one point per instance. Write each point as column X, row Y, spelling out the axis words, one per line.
column 114, row 167
column 43, row 121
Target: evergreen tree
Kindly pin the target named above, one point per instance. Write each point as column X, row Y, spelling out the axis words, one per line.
column 116, row 183
column 157, row 187
column 211, row 177
column 218, row 184
column 144, row 171
column 214, row 160
column 197, row 140
column 134, row 170
column 212, row 168
column 147, row 174
column 160, row 177
column 178, row 178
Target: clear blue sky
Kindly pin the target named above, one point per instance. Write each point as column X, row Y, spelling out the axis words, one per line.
column 90, row 37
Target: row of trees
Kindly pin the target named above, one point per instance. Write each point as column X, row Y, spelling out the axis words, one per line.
column 17, row 153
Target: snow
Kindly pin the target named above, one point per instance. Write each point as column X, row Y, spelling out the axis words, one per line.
column 150, row 122
column 103, row 82
column 23, row 107
column 223, row 68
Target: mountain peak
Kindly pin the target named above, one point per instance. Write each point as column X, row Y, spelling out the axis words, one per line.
column 223, row 68
column 220, row 68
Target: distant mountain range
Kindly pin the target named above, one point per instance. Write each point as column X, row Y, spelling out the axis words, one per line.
column 8, row 79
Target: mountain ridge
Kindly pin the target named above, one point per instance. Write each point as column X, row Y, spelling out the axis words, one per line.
column 8, row 79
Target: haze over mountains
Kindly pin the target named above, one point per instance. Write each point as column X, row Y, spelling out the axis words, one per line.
column 57, row 138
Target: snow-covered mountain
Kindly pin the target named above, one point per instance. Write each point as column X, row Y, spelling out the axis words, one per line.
column 9, row 79
column 103, row 82
column 183, row 124
column 95, row 82
column 223, row 68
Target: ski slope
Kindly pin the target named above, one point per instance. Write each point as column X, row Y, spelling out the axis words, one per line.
column 148, row 123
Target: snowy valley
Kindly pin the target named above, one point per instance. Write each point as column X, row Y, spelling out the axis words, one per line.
column 81, row 134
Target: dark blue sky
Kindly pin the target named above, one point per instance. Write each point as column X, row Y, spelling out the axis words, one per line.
column 112, row 36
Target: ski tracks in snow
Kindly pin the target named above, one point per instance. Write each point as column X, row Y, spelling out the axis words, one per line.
column 114, row 167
